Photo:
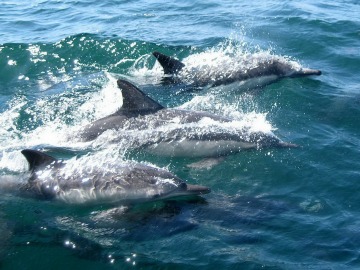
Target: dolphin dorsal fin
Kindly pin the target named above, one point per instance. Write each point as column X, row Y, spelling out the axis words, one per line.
column 169, row 64
column 135, row 101
column 37, row 159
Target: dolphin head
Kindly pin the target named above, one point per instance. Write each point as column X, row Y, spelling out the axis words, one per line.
column 161, row 184
column 184, row 190
column 304, row 72
column 268, row 140
column 287, row 70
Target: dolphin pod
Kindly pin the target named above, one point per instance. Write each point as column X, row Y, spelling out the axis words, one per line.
column 50, row 179
column 177, row 132
column 264, row 73
column 174, row 132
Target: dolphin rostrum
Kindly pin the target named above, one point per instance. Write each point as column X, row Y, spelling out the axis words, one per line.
column 176, row 132
column 262, row 74
column 53, row 179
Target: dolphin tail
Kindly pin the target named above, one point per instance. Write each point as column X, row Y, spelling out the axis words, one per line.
column 169, row 64
column 37, row 159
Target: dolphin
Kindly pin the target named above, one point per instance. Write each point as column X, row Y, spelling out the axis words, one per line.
column 176, row 132
column 264, row 73
column 53, row 179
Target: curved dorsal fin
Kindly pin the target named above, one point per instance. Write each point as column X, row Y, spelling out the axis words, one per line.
column 37, row 159
column 135, row 101
column 169, row 64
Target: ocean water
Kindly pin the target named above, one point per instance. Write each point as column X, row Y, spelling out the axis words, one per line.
column 272, row 208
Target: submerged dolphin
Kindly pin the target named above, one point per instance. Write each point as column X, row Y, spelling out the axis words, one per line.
column 176, row 132
column 264, row 73
column 52, row 179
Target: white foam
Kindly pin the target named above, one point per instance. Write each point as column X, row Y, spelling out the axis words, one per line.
column 57, row 120
column 146, row 73
column 101, row 104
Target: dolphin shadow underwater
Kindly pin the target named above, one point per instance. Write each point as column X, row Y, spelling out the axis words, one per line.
column 176, row 132
column 265, row 72
column 52, row 179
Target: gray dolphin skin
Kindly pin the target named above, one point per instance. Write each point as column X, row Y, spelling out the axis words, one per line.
column 50, row 179
column 265, row 73
column 176, row 132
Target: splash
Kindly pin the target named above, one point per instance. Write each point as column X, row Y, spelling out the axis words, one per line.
column 144, row 72
column 252, row 120
column 52, row 120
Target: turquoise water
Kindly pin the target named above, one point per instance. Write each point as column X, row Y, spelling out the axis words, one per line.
column 269, row 208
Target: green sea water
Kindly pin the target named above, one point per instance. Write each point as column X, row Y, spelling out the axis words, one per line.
column 269, row 208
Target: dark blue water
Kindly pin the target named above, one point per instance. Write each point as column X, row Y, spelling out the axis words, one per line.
column 269, row 208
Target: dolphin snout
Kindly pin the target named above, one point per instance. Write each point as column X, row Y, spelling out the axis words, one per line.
column 306, row 72
column 196, row 189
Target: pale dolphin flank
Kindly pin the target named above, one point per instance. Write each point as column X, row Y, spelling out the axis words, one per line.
column 176, row 132
column 264, row 73
column 50, row 179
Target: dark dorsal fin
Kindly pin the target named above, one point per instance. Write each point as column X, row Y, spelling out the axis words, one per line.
column 169, row 64
column 135, row 101
column 37, row 159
